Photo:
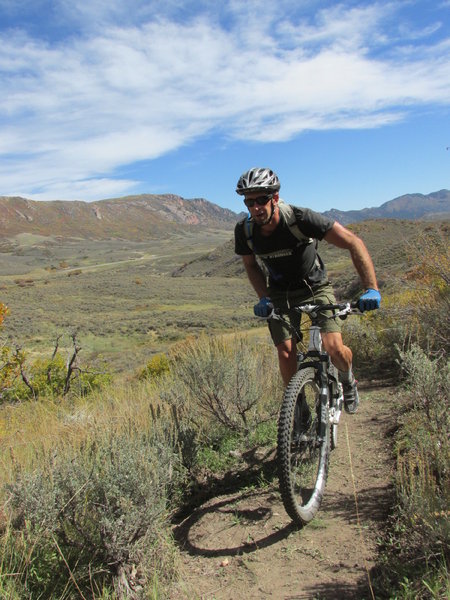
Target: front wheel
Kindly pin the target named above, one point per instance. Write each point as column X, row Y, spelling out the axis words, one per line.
column 303, row 456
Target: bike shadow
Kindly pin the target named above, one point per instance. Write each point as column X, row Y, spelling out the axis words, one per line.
column 227, row 509
column 336, row 591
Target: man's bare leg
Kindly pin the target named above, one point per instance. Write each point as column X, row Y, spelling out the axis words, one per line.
column 341, row 355
column 287, row 358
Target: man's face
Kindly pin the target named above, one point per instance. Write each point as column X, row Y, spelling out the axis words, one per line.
column 259, row 205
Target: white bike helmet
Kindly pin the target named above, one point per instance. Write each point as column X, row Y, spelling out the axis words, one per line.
column 258, row 179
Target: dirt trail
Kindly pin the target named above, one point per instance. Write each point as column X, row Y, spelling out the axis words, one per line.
column 243, row 546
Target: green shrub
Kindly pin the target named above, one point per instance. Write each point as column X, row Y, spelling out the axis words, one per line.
column 372, row 339
column 419, row 539
column 156, row 367
column 49, row 378
column 10, row 365
column 424, row 449
column 224, row 447
column 100, row 512
column 230, row 380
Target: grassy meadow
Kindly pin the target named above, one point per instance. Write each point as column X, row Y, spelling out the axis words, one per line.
column 117, row 295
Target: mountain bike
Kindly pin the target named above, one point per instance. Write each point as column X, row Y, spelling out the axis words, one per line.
column 309, row 418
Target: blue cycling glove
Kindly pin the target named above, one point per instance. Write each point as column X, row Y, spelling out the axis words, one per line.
column 263, row 308
column 370, row 300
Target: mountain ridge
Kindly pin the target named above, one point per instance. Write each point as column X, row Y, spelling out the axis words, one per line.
column 144, row 216
column 128, row 217
column 433, row 206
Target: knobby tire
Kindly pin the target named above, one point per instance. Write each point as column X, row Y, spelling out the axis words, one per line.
column 303, row 458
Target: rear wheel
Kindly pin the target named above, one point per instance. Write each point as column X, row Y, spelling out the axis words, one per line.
column 303, row 457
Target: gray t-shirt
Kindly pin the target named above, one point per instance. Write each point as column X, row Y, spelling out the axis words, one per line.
column 291, row 264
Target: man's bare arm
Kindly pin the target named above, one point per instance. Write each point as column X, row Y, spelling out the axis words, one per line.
column 343, row 238
column 255, row 275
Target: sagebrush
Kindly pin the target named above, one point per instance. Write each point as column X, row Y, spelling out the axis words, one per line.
column 98, row 515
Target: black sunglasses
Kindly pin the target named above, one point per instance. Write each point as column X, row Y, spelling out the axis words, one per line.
column 260, row 201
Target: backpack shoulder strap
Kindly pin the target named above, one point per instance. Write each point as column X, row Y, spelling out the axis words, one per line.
column 248, row 230
column 289, row 216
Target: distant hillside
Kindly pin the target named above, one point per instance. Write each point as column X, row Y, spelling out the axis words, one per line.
column 131, row 217
column 396, row 223
column 152, row 216
column 434, row 206
column 221, row 262
column 388, row 240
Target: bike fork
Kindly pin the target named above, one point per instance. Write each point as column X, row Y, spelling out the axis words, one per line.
column 324, row 396
column 336, row 405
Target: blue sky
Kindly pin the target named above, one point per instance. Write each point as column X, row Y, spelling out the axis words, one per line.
column 349, row 102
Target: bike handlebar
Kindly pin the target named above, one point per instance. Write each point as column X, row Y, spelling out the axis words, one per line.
column 342, row 309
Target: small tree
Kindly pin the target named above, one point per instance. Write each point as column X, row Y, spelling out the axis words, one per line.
column 10, row 362
column 3, row 312
column 45, row 377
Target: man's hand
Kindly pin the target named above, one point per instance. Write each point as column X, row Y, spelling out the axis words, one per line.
column 370, row 300
column 263, row 308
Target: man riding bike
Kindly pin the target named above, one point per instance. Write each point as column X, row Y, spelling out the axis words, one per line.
column 278, row 245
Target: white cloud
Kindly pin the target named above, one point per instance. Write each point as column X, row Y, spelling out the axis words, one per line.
column 74, row 111
column 87, row 190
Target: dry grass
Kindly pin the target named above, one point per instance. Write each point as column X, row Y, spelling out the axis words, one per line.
column 30, row 431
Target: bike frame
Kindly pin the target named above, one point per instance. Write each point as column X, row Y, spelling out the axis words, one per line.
column 320, row 361
column 316, row 357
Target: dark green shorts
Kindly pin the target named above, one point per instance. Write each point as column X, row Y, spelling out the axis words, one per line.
column 286, row 300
